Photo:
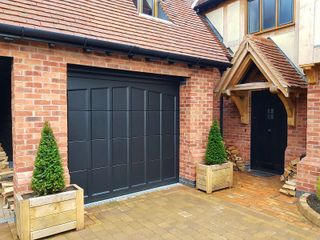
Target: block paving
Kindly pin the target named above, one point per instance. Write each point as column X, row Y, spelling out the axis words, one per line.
column 180, row 212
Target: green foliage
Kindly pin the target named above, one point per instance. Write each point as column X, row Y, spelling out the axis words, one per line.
column 48, row 171
column 318, row 188
column 216, row 152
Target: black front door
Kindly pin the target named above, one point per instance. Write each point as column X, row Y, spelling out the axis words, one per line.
column 268, row 132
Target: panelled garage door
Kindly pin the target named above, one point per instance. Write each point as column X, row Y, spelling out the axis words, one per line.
column 122, row 131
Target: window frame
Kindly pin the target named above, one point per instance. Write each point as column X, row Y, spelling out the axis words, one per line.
column 277, row 25
column 155, row 12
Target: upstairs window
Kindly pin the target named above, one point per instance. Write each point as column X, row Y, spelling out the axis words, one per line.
column 151, row 7
column 285, row 12
column 269, row 14
column 253, row 16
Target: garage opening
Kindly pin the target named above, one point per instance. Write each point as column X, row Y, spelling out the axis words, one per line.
column 5, row 106
column 123, row 131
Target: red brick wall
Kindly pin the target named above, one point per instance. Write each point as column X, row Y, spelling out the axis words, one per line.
column 297, row 135
column 309, row 167
column 238, row 134
column 39, row 81
column 198, row 105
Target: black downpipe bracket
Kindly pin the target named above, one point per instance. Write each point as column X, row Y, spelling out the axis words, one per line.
column 54, row 38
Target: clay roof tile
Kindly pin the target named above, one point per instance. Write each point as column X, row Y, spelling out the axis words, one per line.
column 118, row 21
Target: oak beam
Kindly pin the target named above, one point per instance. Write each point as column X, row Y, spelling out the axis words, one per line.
column 290, row 106
column 242, row 104
column 251, row 86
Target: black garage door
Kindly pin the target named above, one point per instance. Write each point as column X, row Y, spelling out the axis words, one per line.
column 122, row 131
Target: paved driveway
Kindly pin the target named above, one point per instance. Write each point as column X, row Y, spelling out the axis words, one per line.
column 180, row 213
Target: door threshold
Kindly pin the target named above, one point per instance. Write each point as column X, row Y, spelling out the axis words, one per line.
column 259, row 173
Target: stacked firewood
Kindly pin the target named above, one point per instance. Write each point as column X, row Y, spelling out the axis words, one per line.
column 289, row 188
column 233, row 156
column 6, row 188
column 289, row 177
column 6, row 180
column 4, row 164
column 290, row 171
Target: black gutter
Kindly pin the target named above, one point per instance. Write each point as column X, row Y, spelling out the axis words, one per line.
column 207, row 5
column 11, row 32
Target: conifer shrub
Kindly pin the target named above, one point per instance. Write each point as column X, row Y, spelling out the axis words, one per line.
column 318, row 188
column 216, row 152
column 48, row 172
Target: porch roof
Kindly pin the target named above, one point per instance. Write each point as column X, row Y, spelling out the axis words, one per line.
column 276, row 67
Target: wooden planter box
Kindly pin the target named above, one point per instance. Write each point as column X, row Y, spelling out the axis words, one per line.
column 214, row 177
column 38, row 217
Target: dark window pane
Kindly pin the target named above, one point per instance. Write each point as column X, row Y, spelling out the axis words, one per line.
column 253, row 16
column 285, row 11
column 135, row 2
column 161, row 12
column 147, row 7
column 268, row 14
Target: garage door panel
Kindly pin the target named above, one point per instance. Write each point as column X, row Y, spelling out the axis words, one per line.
column 168, row 125
column 100, row 99
column 120, row 98
column 100, row 180
column 168, row 146
column 154, row 101
column 78, row 125
column 99, row 124
column 153, row 147
column 137, row 149
column 120, row 124
column 81, row 179
column 137, row 99
column 153, row 122
column 168, row 168
column 119, row 177
column 99, row 153
column 137, row 123
column 138, row 173
column 119, row 151
column 78, row 100
column 79, row 155
column 154, row 170
column 122, row 133
column 168, row 102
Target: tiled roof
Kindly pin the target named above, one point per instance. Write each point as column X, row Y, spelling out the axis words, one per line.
column 279, row 71
column 279, row 62
column 118, row 21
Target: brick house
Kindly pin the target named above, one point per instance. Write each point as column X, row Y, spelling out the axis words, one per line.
column 270, row 108
column 126, row 85
column 131, row 88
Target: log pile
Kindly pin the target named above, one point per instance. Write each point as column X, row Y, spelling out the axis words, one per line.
column 233, row 156
column 290, row 171
column 4, row 164
column 289, row 188
column 289, row 178
column 6, row 180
